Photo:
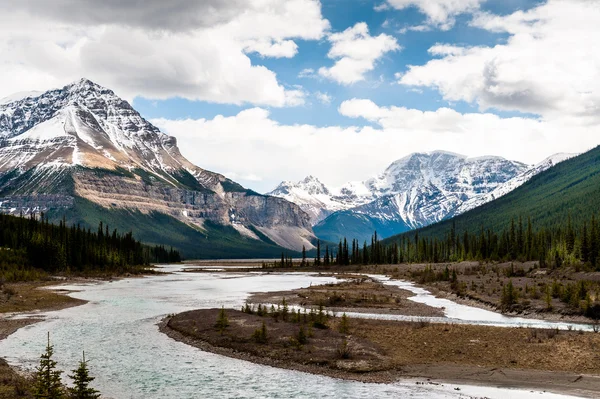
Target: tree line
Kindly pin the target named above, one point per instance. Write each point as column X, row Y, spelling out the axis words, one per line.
column 519, row 241
column 30, row 242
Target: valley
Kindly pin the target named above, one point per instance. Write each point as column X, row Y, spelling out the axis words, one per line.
column 299, row 199
column 395, row 348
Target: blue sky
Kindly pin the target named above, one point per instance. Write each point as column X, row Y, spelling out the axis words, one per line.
column 380, row 84
column 518, row 79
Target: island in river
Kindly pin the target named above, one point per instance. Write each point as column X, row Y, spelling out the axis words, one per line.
column 272, row 331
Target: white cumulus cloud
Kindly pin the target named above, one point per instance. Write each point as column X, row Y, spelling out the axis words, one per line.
column 191, row 49
column 257, row 145
column 549, row 65
column 356, row 53
column 440, row 13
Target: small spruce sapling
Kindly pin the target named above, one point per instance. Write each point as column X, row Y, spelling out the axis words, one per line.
column 222, row 321
column 81, row 383
column 344, row 326
column 47, row 377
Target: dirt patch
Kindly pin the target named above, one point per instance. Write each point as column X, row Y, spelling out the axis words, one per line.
column 30, row 297
column 326, row 351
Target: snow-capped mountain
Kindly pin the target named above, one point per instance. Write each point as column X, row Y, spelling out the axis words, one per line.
column 83, row 141
column 513, row 183
column 311, row 195
column 415, row 191
column 424, row 186
column 318, row 200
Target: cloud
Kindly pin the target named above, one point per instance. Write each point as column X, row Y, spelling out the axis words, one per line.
column 356, row 53
column 547, row 67
column 307, row 73
column 251, row 142
column 191, row 49
column 323, row 98
column 440, row 13
column 174, row 15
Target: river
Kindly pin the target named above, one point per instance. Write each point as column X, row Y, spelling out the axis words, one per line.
column 118, row 330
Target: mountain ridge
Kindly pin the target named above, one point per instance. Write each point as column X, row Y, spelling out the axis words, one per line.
column 83, row 141
column 414, row 191
column 565, row 193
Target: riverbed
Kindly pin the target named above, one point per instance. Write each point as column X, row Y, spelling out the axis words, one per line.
column 118, row 330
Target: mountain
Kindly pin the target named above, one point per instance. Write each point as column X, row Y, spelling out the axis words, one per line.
column 569, row 189
column 514, row 183
column 415, row 191
column 83, row 152
column 319, row 201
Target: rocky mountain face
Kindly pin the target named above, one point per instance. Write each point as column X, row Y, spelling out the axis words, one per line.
column 415, row 191
column 84, row 141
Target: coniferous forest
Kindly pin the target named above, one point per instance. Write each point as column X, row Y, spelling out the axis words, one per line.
column 30, row 247
column 554, row 246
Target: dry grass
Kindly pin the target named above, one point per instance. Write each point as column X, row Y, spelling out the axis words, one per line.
column 27, row 297
column 359, row 294
column 523, row 348
column 323, row 347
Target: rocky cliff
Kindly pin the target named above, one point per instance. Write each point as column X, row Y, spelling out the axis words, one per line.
column 83, row 141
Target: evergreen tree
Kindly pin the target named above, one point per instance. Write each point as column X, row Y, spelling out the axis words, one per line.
column 318, row 258
column 344, row 326
column 509, row 295
column 222, row 321
column 81, row 381
column 47, row 378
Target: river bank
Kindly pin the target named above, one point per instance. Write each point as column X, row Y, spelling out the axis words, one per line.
column 20, row 304
column 17, row 298
column 386, row 351
column 354, row 293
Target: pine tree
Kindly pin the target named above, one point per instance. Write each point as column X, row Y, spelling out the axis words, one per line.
column 318, row 258
column 47, row 378
column 344, row 326
column 509, row 295
column 81, row 381
column 222, row 321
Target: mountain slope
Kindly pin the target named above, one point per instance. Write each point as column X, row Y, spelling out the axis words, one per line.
column 83, row 141
column 570, row 188
column 514, row 183
column 418, row 190
column 320, row 201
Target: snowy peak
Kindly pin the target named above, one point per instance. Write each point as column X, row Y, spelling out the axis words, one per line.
column 310, row 185
column 513, row 183
column 314, row 197
column 85, row 124
column 423, row 188
column 83, row 140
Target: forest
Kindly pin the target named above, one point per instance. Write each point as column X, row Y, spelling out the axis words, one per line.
column 519, row 241
column 31, row 247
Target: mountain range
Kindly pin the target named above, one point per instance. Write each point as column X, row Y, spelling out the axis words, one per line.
column 562, row 195
column 83, row 153
column 415, row 191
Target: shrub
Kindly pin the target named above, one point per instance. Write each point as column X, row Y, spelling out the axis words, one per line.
column 260, row 334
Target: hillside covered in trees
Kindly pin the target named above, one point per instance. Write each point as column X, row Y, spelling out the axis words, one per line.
column 569, row 190
column 30, row 247
column 550, row 219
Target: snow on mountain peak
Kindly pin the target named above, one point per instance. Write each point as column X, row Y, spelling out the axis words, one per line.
column 85, row 124
column 424, row 187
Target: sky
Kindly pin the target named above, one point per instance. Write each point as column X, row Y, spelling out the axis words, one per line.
column 270, row 90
